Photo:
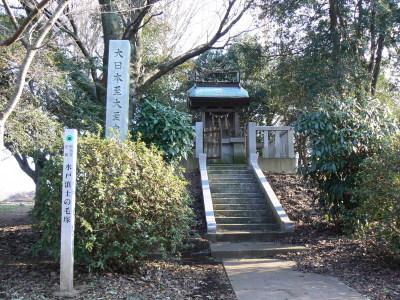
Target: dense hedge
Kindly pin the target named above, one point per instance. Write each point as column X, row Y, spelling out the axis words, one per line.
column 130, row 205
column 341, row 134
column 379, row 193
column 168, row 129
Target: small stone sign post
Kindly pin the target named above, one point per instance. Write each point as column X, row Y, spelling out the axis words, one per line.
column 68, row 212
column 118, row 89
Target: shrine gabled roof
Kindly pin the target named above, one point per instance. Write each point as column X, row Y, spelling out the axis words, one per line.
column 218, row 92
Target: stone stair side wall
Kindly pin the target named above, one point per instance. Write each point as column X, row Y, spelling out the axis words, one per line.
column 285, row 224
column 207, row 200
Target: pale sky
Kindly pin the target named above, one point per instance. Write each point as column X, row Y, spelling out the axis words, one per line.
column 12, row 178
column 204, row 17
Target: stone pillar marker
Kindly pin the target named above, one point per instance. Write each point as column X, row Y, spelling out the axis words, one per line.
column 68, row 212
column 199, row 138
column 118, row 89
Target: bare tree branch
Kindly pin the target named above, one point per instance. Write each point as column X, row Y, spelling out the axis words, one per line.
column 74, row 33
column 21, row 77
column 12, row 6
column 82, row 47
column 24, row 165
column 28, row 20
column 9, row 12
column 125, row 35
column 228, row 42
column 14, row 21
column 134, row 26
column 224, row 27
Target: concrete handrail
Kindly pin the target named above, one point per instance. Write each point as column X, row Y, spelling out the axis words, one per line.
column 207, row 200
column 274, row 128
column 285, row 223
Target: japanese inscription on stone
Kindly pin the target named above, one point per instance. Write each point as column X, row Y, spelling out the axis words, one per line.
column 68, row 210
column 118, row 89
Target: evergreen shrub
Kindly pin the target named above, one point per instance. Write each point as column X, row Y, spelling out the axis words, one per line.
column 168, row 129
column 130, row 205
column 378, row 188
column 341, row 134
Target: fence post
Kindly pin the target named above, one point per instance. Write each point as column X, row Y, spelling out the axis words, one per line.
column 290, row 143
column 284, row 143
column 251, row 140
column 199, row 139
column 265, row 152
column 277, row 144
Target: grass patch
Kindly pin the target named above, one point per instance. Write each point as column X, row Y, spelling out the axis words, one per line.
column 12, row 206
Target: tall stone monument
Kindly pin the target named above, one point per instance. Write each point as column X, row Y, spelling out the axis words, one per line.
column 118, row 89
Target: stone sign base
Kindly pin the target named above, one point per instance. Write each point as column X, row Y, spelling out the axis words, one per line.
column 71, row 294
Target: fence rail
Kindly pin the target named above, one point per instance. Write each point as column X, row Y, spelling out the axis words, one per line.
column 276, row 141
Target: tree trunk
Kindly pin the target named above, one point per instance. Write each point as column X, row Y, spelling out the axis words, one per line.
column 335, row 35
column 301, row 148
column 39, row 165
column 377, row 65
column 112, row 30
column 24, row 165
column 334, row 25
column 372, row 29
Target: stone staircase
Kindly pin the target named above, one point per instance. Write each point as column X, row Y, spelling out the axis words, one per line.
column 241, row 211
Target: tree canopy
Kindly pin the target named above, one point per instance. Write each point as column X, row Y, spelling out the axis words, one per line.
column 71, row 49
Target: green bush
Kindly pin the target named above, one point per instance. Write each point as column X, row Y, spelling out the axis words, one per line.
column 341, row 134
column 130, row 205
column 378, row 188
column 167, row 128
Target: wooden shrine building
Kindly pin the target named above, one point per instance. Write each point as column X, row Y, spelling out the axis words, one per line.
column 219, row 98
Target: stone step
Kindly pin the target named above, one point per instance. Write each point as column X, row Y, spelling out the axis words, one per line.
column 232, row 174
column 242, row 206
column 241, row 210
column 238, row 180
column 246, row 227
column 226, row 166
column 248, row 236
column 237, row 200
column 241, row 220
column 229, row 172
column 228, row 185
column 243, row 213
column 247, row 195
column 234, row 189
column 252, row 249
